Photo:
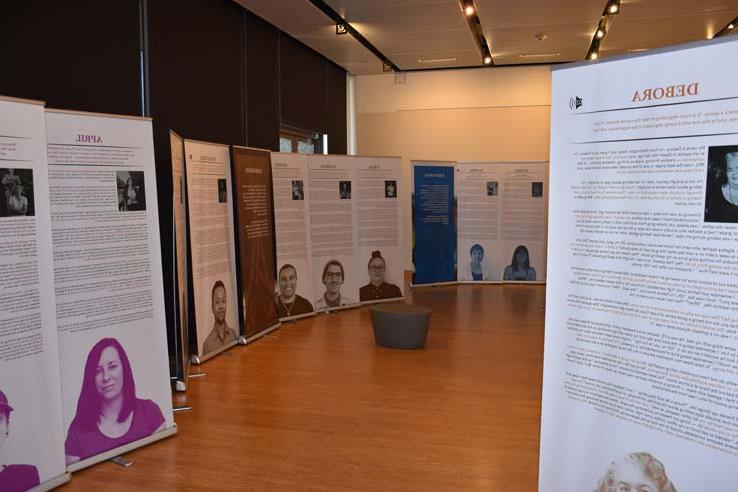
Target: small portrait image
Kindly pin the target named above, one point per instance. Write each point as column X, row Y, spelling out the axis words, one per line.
column 721, row 197
column 298, row 189
column 17, row 198
column 519, row 268
column 131, row 191
column 491, row 188
column 222, row 191
column 13, row 476
column 536, row 189
column 636, row 472
column 390, row 189
column 344, row 190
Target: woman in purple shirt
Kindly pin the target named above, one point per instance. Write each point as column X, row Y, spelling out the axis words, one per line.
column 13, row 478
column 108, row 413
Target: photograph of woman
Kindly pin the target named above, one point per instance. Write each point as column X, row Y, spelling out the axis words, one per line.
column 333, row 278
column 109, row 414
column 17, row 203
column 475, row 269
column 13, row 478
column 721, row 202
column 636, row 472
column 520, row 269
column 131, row 194
column 377, row 288
column 289, row 303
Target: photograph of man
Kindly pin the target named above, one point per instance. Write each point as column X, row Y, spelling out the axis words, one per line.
column 721, row 201
column 289, row 303
column 474, row 269
column 344, row 189
column 298, row 192
column 13, row 478
column 221, row 333
column 390, row 189
column 131, row 191
column 16, row 198
column 519, row 268
column 491, row 188
column 333, row 278
column 377, row 288
column 222, row 191
column 636, row 472
column 536, row 189
column 109, row 414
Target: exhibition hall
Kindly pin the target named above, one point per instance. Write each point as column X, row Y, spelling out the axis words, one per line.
column 369, row 245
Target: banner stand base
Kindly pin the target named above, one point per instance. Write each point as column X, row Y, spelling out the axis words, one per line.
column 195, row 359
column 242, row 340
column 121, row 461
column 122, row 449
column 183, row 408
column 264, row 332
column 180, row 386
column 53, row 483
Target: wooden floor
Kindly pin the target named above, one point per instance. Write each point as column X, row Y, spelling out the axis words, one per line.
column 317, row 406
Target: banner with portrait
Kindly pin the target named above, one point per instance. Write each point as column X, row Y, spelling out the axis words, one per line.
column 378, row 227
column 502, row 221
column 31, row 428
column 114, row 362
column 294, row 295
column 252, row 170
column 640, row 366
column 212, row 249
column 181, row 284
column 333, row 238
column 434, row 222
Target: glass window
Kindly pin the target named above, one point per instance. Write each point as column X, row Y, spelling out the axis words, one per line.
column 301, row 141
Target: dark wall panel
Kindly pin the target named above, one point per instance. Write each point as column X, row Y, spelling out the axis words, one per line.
column 82, row 55
column 303, row 88
column 262, row 83
column 336, row 109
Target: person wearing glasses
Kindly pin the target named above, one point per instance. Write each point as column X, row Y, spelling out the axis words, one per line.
column 377, row 288
column 333, row 280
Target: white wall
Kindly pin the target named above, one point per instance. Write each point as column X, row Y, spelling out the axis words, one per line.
column 489, row 114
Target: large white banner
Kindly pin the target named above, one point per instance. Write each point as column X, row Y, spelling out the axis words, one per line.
column 640, row 372
column 378, row 227
column 31, row 435
column 107, row 276
column 209, row 204
column 332, row 232
column 295, row 294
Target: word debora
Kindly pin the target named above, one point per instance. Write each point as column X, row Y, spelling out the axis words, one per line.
column 654, row 94
column 88, row 139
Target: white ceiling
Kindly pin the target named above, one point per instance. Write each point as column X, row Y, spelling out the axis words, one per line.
column 408, row 31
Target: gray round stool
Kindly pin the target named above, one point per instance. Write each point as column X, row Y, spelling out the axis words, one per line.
column 400, row 326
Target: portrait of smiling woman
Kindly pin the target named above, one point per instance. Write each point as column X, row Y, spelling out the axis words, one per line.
column 109, row 414
column 721, row 201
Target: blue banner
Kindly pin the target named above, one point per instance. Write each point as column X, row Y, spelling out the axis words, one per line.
column 434, row 224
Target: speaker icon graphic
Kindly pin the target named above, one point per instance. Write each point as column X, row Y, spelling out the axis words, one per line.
column 575, row 103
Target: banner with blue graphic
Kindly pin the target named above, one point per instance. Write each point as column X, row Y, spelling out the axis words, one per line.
column 434, row 223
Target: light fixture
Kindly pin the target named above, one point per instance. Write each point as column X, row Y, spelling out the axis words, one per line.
column 436, row 60
column 487, row 60
column 600, row 33
column 727, row 29
column 614, row 7
column 593, row 56
column 538, row 55
column 469, row 10
column 341, row 29
column 731, row 26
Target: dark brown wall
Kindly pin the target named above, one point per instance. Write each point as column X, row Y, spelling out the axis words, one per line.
column 262, row 83
column 336, row 110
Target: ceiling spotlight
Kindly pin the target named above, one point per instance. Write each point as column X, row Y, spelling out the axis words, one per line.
column 469, row 10
column 341, row 29
column 593, row 56
column 614, row 8
column 600, row 33
column 731, row 26
column 487, row 60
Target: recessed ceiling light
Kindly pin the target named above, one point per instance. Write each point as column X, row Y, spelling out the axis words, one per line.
column 469, row 10
column 487, row 60
column 600, row 34
column 613, row 8
column 731, row 26
column 538, row 55
column 540, row 36
column 593, row 56
column 637, row 50
column 436, row 60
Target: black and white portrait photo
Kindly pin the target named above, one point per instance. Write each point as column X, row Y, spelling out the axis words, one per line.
column 298, row 190
column 491, row 188
column 721, row 197
column 17, row 199
column 131, row 191
column 390, row 189
column 536, row 189
column 222, row 191
column 344, row 190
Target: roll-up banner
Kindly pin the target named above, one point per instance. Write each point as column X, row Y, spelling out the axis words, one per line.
column 332, row 232
column 181, row 289
column 295, row 295
column 378, row 227
column 252, row 170
column 31, row 429
column 114, row 362
column 434, row 222
column 640, row 367
column 208, row 178
column 502, row 213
